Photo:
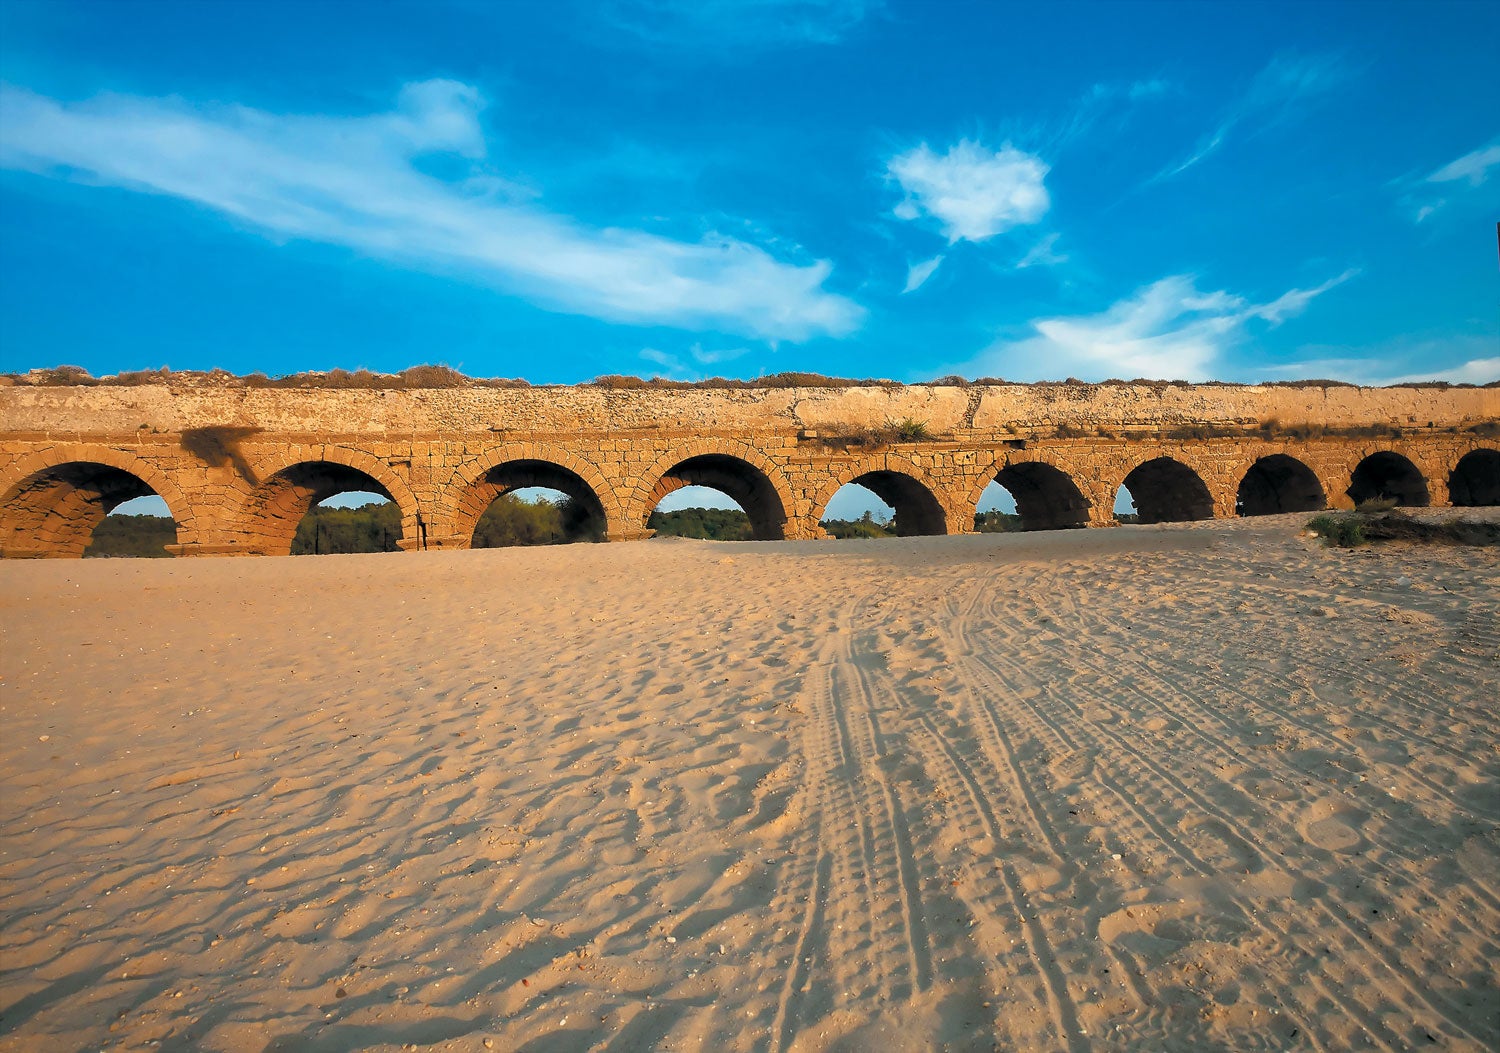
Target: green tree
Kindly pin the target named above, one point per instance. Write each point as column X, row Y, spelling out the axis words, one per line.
column 710, row 524
column 125, row 535
column 997, row 522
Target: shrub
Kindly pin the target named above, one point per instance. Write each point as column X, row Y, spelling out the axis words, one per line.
column 433, row 377
column 139, row 377
column 909, row 429
column 1377, row 504
column 63, row 376
column 1345, row 531
column 616, row 382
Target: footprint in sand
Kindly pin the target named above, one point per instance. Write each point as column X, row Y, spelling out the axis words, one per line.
column 1333, row 826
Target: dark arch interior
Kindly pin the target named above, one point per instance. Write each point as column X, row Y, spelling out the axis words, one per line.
column 1476, row 479
column 1279, row 483
column 918, row 513
column 1046, row 498
column 1168, row 491
column 55, row 512
column 579, row 518
column 742, row 482
column 1388, row 475
column 288, row 497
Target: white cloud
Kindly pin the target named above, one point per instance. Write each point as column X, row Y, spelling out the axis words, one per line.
column 1168, row 330
column 1278, row 93
column 678, row 369
column 352, row 181
column 918, row 273
column 1426, row 196
column 1404, row 359
column 1474, row 371
column 1042, row 255
column 1473, row 167
column 973, row 192
column 1295, row 301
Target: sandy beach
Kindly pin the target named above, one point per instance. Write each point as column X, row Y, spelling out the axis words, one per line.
column 1201, row 787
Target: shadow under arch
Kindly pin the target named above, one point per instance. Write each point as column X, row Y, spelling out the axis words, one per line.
column 1388, row 475
column 54, row 510
column 1046, row 496
column 51, row 501
column 1475, row 479
column 1167, row 491
column 746, row 484
column 523, row 472
column 918, row 513
column 1279, row 483
column 277, row 506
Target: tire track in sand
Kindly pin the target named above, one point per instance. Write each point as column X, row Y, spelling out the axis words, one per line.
column 947, row 764
column 1164, row 786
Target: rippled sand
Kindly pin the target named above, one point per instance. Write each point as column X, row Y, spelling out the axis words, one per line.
column 1197, row 787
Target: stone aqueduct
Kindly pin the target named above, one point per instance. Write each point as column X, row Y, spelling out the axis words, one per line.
column 238, row 467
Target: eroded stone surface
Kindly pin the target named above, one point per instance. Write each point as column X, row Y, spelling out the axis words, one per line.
column 238, row 467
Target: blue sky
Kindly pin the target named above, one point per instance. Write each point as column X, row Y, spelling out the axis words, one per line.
column 740, row 187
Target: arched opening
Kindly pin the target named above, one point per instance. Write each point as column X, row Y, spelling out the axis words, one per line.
column 531, row 502
column 322, row 508
column 1388, row 476
column 739, row 481
column 1166, row 491
column 58, row 512
column 141, row 528
column 349, row 522
column 884, row 504
column 1042, row 498
column 700, row 512
column 1475, row 480
column 1276, row 484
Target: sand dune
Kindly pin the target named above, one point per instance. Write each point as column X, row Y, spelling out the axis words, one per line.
column 1200, row 787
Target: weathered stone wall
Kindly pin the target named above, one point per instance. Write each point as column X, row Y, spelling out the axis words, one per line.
column 239, row 467
column 104, row 410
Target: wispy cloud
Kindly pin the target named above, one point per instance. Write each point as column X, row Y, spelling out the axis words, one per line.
column 1042, row 254
column 1425, row 196
column 918, row 273
column 1148, row 89
column 1279, row 93
column 1400, row 360
column 975, row 193
column 679, row 368
column 1474, row 371
column 1473, row 168
column 1168, row 330
column 736, row 25
column 357, row 182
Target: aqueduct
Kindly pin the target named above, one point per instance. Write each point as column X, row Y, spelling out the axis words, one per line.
column 239, row 466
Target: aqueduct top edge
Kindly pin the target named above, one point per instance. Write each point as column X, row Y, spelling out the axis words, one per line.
column 115, row 411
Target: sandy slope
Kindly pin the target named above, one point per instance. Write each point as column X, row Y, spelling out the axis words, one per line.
column 1201, row 787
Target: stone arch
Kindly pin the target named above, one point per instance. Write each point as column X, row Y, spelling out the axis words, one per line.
column 1278, row 483
column 1386, row 474
column 899, row 483
column 737, row 469
column 1167, row 491
column 51, row 502
column 476, row 484
column 288, row 489
column 1046, row 496
column 1475, row 479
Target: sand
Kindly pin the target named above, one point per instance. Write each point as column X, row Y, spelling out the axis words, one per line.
column 1198, row 787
